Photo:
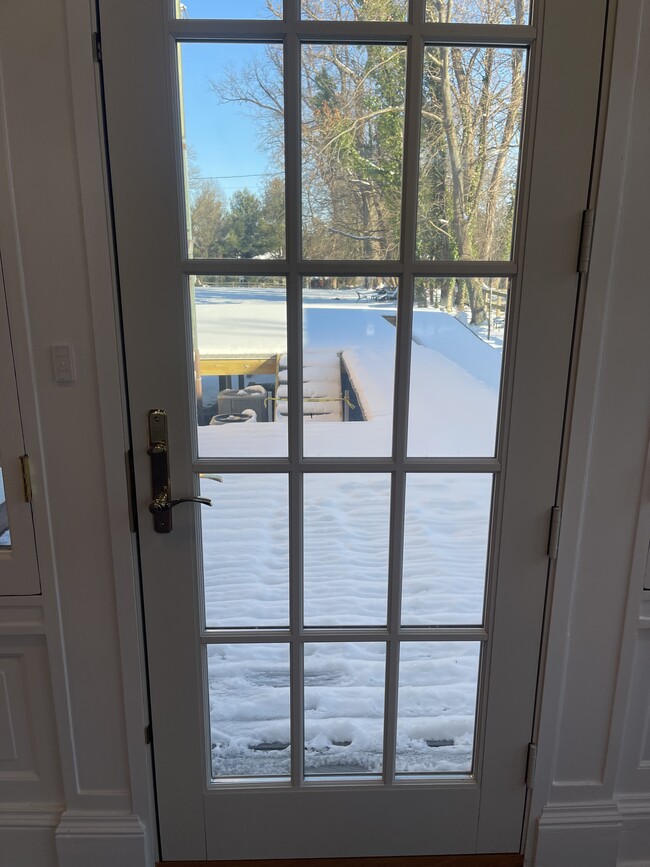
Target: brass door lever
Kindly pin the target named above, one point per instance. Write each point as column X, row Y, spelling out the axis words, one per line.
column 162, row 504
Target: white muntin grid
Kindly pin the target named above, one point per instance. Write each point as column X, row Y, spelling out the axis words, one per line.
column 415, row 34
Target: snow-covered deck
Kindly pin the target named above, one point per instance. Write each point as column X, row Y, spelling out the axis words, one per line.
column 453, row 406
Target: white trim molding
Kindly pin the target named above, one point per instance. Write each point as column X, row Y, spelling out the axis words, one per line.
column 634, row 850
column 599, row 834
column 27, row 834
column 100, row 839
column 569, row 835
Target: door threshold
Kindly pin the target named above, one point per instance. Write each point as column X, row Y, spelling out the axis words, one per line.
column 503, row 860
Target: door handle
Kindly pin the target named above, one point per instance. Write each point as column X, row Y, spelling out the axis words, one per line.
column 162, row 503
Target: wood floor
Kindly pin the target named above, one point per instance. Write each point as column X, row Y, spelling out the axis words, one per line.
column 420, row 861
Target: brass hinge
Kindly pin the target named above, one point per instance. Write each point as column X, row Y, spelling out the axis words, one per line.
column 27, row 478
column 554, row 532
column 586, row 239
column 530, row 765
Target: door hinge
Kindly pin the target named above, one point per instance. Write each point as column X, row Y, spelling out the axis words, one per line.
column 586, row 239
column 97, row 47
column 530, row 765
column 554, row 532
column 148, row 734
column 27, row 478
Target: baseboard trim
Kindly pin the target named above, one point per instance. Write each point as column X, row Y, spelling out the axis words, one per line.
column 505, row 860
column 634, row 850
column 18, row 817
column 27, row 834
column 100, row 839
column 579, row 835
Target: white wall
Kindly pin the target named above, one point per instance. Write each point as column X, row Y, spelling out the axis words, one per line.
column 87, row 762
column 85, row 797
column 591, row 803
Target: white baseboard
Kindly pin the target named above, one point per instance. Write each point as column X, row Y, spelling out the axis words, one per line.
column 578, row 835
column 27, row 835
column 45, row 836
column 101, row 839
column 634, row 850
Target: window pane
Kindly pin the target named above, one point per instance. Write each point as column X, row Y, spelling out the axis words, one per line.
column 246, row 550
column 346, row 548
column 456, row 358
column 353, row 10
column 349, row 338
column 436, row 711
column 5, row 535
column 249, row 710
column 344, row 708
column 469, row 152
column 228, row 9
column 240, row 345
column 352, row 144
column 445, row 549
column 478, row 11
column 233, row 126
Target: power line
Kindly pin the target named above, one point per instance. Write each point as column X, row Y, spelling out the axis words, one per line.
column 220, row 177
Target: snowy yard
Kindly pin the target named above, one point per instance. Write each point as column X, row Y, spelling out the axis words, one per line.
column 453, row 405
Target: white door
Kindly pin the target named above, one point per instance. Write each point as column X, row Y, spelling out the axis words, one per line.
column 370, row 210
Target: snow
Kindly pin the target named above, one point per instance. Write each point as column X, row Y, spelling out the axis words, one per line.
column 454, row 392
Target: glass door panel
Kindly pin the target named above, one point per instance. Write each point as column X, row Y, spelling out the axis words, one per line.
column 249, row 710
column 348, row 359
column 232, row 110
column 438, row 684
column 240, row 360
column 227, row 9
column 470, row 137
column 473, row 12
column 353, row 99
column 458, row 335
column 351, row 10
column 346, row 536
column 246, row 581
column 446, row 529
column 344, row 709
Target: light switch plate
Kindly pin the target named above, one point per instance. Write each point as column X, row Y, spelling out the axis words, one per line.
column 63, row 363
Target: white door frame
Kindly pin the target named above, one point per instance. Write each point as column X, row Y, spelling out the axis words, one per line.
column 571, row 245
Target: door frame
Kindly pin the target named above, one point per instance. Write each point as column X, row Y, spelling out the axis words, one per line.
column 93, row 192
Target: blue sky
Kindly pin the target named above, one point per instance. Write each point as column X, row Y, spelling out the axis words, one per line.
column 226, row 8
column 224, row 137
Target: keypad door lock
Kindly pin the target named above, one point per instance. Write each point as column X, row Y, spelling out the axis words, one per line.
column 162, row 503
